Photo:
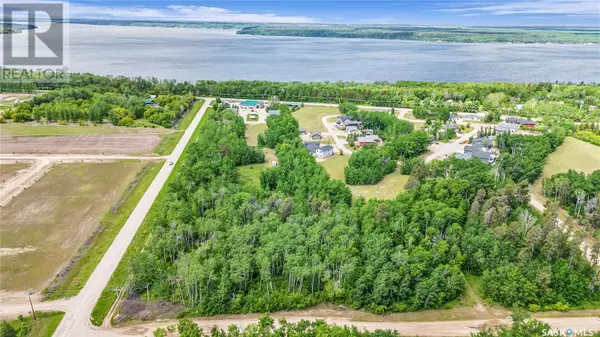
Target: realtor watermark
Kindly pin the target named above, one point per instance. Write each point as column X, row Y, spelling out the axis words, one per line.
column 35, row 44
column 569, row 332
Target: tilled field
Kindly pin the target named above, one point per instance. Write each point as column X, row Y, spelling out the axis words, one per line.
column 114, row 144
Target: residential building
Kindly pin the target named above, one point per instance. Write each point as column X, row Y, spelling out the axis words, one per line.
column 486, row 142
column 368, row 140
column 316, row 135
column 352, row 129
column 252, row 104
column 520, row 121
column 303, row 132
column 368, row 132
column 506, row 128
column 319, row 151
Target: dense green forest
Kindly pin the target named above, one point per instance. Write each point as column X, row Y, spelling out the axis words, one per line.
column 588, row 132
column 221, row 246
column 572, row 101
column 265, row 327
column 435, row 34
column 578, row 193
column 96, row 104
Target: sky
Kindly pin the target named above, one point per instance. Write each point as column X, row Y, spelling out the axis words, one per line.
column 424, row 12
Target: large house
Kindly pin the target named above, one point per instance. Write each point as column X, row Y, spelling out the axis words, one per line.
column 252, row 104
column 481, row 148
column 319, row 151
column 368, row 140
column 352, row 129
column 506, row 128
column 528, row 123
column 343, row 122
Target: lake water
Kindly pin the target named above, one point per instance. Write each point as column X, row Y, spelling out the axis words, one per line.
column 192, row 54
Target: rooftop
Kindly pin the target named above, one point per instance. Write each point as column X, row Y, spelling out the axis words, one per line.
column 251, row 102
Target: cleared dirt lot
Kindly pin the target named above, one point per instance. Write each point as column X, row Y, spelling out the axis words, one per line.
column 8, row 171
column 122, row 144
column 45, row 225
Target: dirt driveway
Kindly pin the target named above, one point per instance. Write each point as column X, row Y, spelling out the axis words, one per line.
column 122, row 144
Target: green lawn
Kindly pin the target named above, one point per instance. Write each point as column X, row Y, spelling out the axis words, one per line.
column 387, row 188
column 252, row 131
column 251, row 173
column 573, row 154
column 119, row 277
column 189, row 117
column 310, row 117
column 113, row 221
column 44, row 326
column 53, row 129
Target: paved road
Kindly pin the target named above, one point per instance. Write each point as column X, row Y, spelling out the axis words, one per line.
column 335, row 133
column 77, row 320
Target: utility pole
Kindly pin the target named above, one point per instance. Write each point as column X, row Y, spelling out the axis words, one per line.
column 29, row 293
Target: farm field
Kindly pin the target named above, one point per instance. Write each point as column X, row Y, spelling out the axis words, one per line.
column 121, row 144
column 8, row 171
column 54, row 129
column 93, row 250
column 310, row 117
column 46, row 224
column 572, row 154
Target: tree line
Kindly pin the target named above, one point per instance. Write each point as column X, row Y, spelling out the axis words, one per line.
column 573, row 101
column 265, row 327
column 96, row 104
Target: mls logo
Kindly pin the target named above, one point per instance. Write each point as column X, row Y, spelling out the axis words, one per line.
column 42, row 46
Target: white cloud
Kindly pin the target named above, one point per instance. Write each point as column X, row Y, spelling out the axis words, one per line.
column 174, row 13
column 569, row 7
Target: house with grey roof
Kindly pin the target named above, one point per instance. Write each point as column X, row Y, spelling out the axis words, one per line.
column 506, row 128
column 352, row 129
column 303, row 132
column 520, row 121
column 319, row 151
column 368, row 140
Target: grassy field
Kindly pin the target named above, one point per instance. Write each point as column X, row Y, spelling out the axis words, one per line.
column 90, row 255
column 8, row 171
column 53, row 129
column 572, row 154
column 44, row 326
column 119, row 277
column 252, row 132
column 251, row 173
column 387, row 188
column 310, row 117
column 45, row 225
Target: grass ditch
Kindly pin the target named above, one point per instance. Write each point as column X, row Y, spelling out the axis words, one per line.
column 75, row 275
column 44, row 326
column 119, row 277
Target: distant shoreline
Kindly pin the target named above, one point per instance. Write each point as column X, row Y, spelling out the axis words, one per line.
column 470, row 35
